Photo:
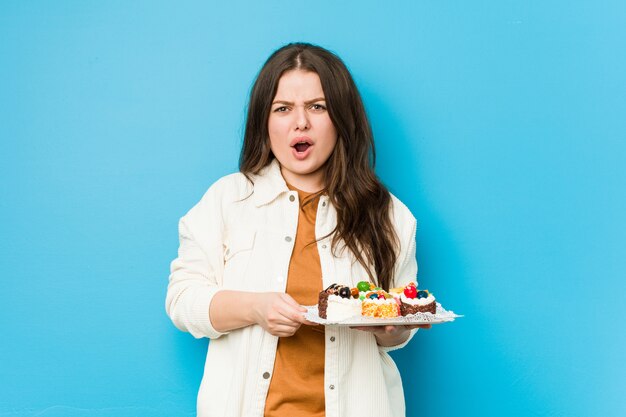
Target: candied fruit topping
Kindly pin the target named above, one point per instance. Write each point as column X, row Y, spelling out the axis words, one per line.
column 410, row 291
column 344, row 292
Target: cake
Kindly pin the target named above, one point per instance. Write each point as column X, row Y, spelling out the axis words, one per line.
column 339, row 302
column 380, row 304
column 414, row 301
column 340, row 308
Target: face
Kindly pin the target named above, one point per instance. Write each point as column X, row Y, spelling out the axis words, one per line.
column 302, row 136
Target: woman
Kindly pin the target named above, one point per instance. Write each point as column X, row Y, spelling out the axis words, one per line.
column 305, row 211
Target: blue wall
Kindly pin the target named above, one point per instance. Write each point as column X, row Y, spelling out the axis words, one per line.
column 501, row 124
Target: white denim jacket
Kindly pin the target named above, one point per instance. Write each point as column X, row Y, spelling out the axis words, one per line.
column 240, row 237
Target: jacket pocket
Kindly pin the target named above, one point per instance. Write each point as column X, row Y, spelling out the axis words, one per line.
column 238, row 250
column 238, row 242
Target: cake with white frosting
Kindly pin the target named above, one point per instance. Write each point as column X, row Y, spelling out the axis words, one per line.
column 340, row 308
column 414, row 301
column 337, row 303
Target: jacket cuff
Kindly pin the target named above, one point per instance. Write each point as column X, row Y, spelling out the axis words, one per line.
column 199, row 314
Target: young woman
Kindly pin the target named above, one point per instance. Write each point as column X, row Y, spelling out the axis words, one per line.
column 306, row 211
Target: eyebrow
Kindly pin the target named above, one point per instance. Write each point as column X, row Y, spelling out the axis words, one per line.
column 306, row 102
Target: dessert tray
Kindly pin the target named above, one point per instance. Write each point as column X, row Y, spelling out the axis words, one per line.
column 441, row 316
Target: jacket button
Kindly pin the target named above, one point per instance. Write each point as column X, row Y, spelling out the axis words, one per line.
column 291, row 198
column 332, row 338
column 266, row 375
column 331, row 386
column 287, row 239
column 323, row 204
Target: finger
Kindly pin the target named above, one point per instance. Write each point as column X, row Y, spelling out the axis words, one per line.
column 278, row 316
column 293, row 303
column 370, row 329
column 282, row 311
column 293, row 313
column 289, row 327
column 391, row 329
column 289, row 308
column 419, row 326
column 284, row 331
column 287, row 319
column 293, row 318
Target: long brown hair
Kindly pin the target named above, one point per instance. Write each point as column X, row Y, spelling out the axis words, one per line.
column 362, row 202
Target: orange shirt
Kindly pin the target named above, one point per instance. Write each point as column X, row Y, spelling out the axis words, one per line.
column 297, row 385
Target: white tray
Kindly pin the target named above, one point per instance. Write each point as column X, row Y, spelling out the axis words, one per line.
column 441, row 316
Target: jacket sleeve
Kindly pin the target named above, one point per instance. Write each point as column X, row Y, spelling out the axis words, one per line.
column 196, row 273
column 406, row 265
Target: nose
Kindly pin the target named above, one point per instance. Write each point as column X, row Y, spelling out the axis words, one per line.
column 302, row 120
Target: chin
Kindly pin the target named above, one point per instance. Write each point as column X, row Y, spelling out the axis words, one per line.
column 304, row 170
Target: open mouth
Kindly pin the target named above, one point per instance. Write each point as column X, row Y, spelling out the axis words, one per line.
column 301, row 146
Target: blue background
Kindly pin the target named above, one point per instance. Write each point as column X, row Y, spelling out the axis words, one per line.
column 501, row 124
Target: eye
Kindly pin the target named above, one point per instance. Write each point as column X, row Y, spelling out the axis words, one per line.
column 280, row 109
column 318, row 107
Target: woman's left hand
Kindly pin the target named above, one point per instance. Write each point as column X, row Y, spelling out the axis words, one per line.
column 391, row 335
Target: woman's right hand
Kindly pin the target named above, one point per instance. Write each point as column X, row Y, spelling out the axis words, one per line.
column 278, row 313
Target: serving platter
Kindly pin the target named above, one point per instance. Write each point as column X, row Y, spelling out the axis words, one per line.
column 441, row 316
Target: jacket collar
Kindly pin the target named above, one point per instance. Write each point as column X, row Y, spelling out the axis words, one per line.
column 268, row 184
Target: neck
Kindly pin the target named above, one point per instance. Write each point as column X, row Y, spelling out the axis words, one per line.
column 309, row 183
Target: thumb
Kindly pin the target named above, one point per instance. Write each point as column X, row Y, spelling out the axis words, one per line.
column 289, row 300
